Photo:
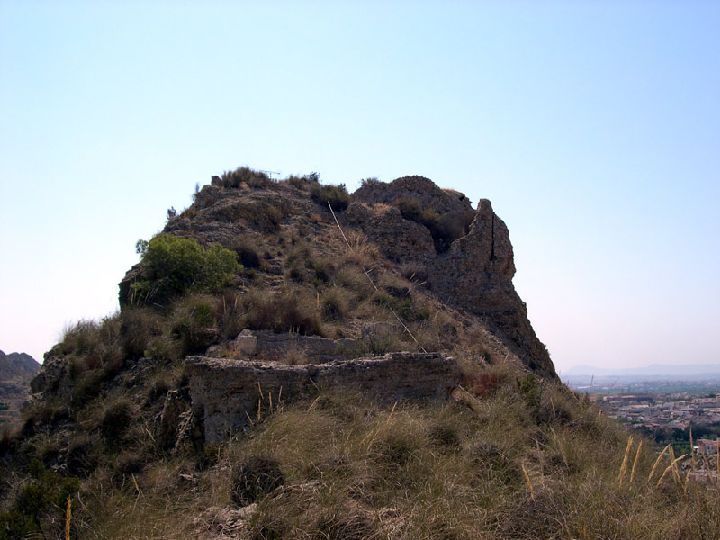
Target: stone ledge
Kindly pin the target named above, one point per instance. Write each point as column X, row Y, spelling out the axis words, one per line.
column 225, row 392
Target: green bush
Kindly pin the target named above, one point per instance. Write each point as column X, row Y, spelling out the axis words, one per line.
column 174, row 265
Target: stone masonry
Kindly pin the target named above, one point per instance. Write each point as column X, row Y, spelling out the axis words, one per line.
column 226, row 393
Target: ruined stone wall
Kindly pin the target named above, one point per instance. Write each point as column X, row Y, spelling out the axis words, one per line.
column 225, row 393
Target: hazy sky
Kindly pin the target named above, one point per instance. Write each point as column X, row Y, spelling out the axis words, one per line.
column 592, row 126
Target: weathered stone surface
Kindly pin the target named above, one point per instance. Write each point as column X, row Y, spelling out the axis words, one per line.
column 225, row 393
column 476, row 274
column 420, row 188
column 269, row 346
column 398, row 239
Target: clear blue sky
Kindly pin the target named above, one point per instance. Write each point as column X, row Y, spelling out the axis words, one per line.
column 592, row 126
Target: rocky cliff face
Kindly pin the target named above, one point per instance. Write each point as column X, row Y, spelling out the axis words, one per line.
column 16, row 371
column 474, row 271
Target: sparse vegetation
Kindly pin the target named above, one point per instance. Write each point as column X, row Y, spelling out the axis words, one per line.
column 247, row 176
column 291, row 310
column 335, row 196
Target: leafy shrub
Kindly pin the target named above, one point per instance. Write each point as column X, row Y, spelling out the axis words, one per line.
column 335, row 196
column 253, row 479
column 174, row 265
column 45, row 491
column 245, row 175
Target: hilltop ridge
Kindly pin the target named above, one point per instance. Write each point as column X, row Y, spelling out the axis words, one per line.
column 459, row 256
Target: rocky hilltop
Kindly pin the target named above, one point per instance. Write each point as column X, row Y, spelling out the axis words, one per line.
column 294, row 361
column 458, row 255
column 16, row 371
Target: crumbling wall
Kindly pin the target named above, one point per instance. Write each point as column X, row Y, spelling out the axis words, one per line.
column 226, row 393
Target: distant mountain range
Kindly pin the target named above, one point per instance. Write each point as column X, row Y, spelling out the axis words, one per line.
column 16, row 365
column 653, row 371
column 16, row 371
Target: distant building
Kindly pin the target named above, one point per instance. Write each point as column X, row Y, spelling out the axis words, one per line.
column 708, row 446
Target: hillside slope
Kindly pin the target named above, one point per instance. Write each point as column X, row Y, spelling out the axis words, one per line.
column 293, row 361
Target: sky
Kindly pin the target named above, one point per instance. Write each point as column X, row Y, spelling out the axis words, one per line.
column 593, row 127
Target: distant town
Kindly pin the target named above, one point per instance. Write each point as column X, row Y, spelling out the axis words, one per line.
column 663, row 407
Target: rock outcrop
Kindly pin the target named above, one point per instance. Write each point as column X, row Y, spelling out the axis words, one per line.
column 460, row 255
column 16, row 371
column 476, row 274
column 226, row 394
column 476, row 269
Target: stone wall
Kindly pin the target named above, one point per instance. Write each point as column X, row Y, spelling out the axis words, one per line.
column 225, row 393
column 269, row 346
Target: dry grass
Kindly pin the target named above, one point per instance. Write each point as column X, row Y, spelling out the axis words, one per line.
column 352, row 469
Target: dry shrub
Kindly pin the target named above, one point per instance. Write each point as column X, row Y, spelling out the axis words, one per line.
column 361, row 251
column 295, row 356
column 116, row 421
column 194, row 324
column 305, row 183
column 245, row 175
column 354, row 279
column 291, row 310
column 335, row 196
column 247, row 252
column 139, row 326
column 94, row 345
column 82, row 455
column 348, row 521
column 335, row 303
column 254, row 478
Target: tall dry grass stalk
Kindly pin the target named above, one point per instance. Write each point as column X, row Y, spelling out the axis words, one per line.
column 672, row 467
column 657, row 462
column 635, row 461
column 673, row 462
column 693, row 462
column 623, row 467
column 68, row 518
column 528, row 482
